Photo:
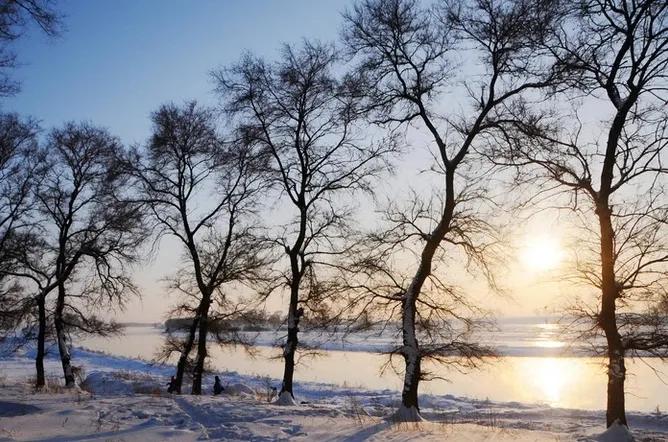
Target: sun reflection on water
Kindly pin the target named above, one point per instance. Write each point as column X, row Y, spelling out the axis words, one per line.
column 549, row 343
column 553, row 377
column 548, row 336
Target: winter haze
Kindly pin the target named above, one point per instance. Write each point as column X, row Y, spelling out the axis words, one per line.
column 334, row 220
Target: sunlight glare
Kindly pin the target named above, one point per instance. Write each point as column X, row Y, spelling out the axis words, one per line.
column 553, row 377
column 541, row 253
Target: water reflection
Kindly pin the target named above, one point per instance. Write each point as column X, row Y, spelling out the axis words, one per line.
column 550, row 379
column 570, row 382
column 555, row 380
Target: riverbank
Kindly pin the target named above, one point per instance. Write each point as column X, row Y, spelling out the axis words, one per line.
column 560, row 381
column 125, row 399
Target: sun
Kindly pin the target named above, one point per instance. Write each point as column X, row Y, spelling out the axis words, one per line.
column 541, row 253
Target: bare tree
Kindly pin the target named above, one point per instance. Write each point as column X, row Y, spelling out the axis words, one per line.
column 406, row 56
column 15, row 18
column 205, row 193
column 89, row 232
column 307, row 118
column 19, row 169
column 617, row 53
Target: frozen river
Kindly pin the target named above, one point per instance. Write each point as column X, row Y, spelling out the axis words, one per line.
column 536, row 368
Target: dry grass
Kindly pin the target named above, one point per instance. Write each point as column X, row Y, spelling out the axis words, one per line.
column 79, row 373
column 132, row 376
column 52, row 385
column 402, row 426
column 355, row 408
column 267, row 393
column 152, row 390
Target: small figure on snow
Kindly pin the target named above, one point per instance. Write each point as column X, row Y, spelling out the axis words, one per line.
column 172, row 385
column 217, row 386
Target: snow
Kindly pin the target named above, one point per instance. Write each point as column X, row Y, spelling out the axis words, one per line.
column 239, row 389
column 616, row 433
column 120, row 383
column 65, row 417
column 407, row 414
column 126, row 399
column 285, row 398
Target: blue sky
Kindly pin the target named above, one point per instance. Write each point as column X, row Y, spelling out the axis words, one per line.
column 120, row 59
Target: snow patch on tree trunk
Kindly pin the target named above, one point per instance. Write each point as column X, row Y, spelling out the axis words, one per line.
column 616, row 367
column 285, row 398
column 407, row 414
column 616, row 433
column 65, row 359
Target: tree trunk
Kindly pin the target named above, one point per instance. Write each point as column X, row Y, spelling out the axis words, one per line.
column 411, row 354
column 286, row 394
column 607, row 319
column 615, row 410
column 63, row 349
column 289, row 356
column 410, row 410
column 185, row 352
column 40, row 381
column 198, row 371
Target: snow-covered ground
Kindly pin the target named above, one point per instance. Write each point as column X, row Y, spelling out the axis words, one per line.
column 126, row 399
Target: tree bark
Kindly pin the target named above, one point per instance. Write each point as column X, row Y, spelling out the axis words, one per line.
column 291, row 343
column 185, row 351
column 65, row 357
column 409, row 394
column 615, row 410
column 607, row 320
column 198, row 370
column 40, row 381
column 410, row 410
column 411, row 349
column 294, row 312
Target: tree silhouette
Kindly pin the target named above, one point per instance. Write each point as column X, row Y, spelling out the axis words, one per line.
column 405, row 54
column 183, row 162
column 617, row 55
column 306, row 117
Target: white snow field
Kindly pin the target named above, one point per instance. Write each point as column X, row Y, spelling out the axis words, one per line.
column 125, row 400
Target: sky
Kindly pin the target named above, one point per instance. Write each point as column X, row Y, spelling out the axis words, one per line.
column 119, row 60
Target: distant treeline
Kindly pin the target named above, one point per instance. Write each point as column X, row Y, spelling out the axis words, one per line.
column 250, row 321
column 253, row 321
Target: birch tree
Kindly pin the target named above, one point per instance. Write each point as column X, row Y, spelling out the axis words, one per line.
column 406, row 54
column 88, row 234
column 20, row 166
column 617, row 53
column 205, row 193
column 306, row 117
